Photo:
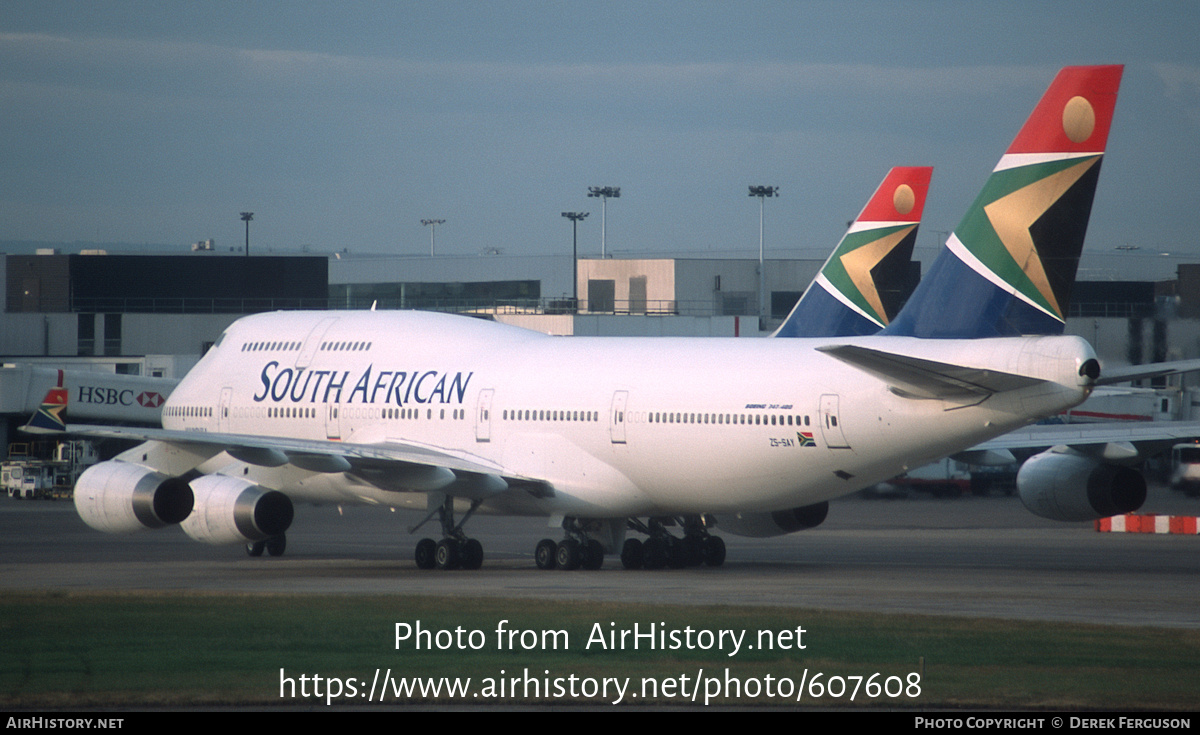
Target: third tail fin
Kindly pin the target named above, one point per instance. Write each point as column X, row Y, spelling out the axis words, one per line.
column 48, row 419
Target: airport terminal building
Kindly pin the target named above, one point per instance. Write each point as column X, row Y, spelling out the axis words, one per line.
column 154, row 315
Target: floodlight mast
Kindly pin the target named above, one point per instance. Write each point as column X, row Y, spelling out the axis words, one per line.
column 603, row 193
column 246, row 217
column 575, row 217
column 432, row 225
column 762, row 192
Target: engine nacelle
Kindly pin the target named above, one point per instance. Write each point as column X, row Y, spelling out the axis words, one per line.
column 121, row 497
column 230, row 510
column 1066, row 486
column 776, row 523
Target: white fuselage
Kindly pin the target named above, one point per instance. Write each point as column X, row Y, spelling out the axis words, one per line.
column 616, row 426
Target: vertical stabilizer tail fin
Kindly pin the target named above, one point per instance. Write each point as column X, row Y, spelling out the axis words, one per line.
column 1008, row 267
column 867, row 277
column 48, row 417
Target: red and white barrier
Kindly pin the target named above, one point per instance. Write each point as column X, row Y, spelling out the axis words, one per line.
column 1134, row 523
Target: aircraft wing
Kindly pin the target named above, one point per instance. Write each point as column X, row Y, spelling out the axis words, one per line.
column 1109, row 376
column 1111, row 440
column 390, row 464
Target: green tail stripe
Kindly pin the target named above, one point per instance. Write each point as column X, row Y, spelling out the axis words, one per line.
column 835, row 270
column 978, row 235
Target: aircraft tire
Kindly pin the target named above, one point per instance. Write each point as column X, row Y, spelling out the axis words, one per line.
column 714, row 551
column 677, row 554
column 546, row 554
column 593, row 557
column 631, row 554
column 426, row 554
column 255, row 548
column 655, row 554
column 472, row 554
column 569, row 555
column 276, row 545
column 447, row 555
column 693, row 550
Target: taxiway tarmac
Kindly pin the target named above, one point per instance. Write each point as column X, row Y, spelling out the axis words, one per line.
column 969, row 556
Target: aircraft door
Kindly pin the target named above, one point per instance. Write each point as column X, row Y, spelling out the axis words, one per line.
column 223, row 410
column 313, row 341
column 831, row 426
column 333, row 421
column 617, row 416
column 483, row 416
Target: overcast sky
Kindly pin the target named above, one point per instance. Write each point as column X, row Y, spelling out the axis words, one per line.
column 342, row 125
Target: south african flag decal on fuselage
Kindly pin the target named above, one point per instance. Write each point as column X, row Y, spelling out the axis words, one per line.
column 805, row 438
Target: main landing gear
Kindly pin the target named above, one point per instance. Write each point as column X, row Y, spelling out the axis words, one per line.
column 579, row 550
column 274, row 546
column 662, row 549
column 576, row 551
column 455, row 550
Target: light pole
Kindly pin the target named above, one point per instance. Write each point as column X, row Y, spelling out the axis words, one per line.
column 432, row 225
column 246, row 217
column 762, row 192
column 575, row 217
column 604, row 192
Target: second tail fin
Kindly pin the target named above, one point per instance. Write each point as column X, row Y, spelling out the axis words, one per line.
column 864, row 282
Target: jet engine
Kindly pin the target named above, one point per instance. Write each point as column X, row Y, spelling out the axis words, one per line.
column 776, row 523
column 230, row 510
column 1068, row 486
column 121, row 497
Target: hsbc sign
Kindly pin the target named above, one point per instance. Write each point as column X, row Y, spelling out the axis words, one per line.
column 101, row 396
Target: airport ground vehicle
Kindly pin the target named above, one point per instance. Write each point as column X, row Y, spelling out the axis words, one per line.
column 1185, row 468
column 35, row 470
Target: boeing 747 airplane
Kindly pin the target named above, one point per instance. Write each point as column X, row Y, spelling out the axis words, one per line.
column 456, row 415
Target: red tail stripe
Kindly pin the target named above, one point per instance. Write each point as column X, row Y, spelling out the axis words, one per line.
column 1044, row 130
column 882, row 205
